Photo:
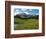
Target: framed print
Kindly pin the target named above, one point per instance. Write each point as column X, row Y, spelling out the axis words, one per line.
column 24, row 19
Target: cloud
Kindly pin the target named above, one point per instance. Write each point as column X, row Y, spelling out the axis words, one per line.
column 27, row 11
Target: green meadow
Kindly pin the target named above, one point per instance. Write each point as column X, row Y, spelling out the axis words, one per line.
column 25, row 24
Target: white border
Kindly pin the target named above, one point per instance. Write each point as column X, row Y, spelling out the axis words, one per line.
column 26, row 31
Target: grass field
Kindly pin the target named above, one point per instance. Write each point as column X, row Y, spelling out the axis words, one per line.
column 25, row 24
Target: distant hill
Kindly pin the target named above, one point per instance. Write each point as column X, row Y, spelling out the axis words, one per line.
column 24, row 15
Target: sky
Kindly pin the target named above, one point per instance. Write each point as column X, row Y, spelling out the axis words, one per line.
column 27, row 11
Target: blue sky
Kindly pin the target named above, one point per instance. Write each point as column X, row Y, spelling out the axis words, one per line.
column 27, row 11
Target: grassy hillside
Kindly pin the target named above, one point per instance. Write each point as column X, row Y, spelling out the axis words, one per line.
column 24, row 24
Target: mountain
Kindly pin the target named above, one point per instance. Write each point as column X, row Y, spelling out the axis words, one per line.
column 24, row 15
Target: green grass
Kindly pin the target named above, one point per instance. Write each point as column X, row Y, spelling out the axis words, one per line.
column 24, row 24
